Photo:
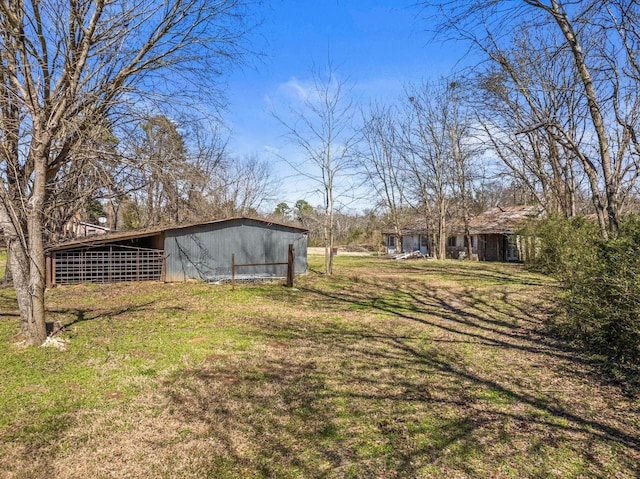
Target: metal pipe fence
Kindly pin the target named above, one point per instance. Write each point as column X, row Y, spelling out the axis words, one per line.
column 289, row 263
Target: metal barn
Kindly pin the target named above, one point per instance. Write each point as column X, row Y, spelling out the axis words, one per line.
column 203, row 251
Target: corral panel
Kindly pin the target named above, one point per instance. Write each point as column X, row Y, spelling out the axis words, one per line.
column 107, row 265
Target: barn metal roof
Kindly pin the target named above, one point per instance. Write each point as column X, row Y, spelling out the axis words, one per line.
column 148, row 232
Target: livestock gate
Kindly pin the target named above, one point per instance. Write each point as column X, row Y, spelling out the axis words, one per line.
column 106, row 264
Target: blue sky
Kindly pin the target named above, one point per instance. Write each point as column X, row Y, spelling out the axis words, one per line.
column 377, row 46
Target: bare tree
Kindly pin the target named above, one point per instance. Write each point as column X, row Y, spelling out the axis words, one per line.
column 179, row 170
column 323, row 129
column 208, row 158
column 428, row 158
column 523, row 88
column 597, row 43
column 66, row 67
column 381, row 161
column 157, row 152
column 464, row 149
column 242, row 186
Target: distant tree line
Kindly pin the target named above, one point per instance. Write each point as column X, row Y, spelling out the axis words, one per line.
column 176, row 171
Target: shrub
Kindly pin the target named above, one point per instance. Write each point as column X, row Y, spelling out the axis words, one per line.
column 601, row 302
column 562, row 245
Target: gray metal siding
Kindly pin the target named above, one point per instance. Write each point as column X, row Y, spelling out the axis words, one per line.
column 204, row 252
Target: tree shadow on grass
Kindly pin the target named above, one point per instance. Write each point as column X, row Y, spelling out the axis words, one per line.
column 81, row 315
column 445, row 315
column 284, row 420
column 314, row 418
column 497, row 273
column 575, row 422
column 381, row 398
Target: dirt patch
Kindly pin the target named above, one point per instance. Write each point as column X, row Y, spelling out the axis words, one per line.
column 32, row 388
column 113, row 395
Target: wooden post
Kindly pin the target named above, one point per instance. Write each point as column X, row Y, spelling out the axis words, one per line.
column 233, row 271
column 47, row 272
column 163, row 267
column 290, row 267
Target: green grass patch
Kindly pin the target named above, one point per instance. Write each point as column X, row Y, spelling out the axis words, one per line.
column 384, row 369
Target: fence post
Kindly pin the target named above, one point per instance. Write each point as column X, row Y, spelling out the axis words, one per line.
column 290, row 267
column 233, row 271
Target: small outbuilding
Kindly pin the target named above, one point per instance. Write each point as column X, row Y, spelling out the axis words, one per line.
column 202, row 251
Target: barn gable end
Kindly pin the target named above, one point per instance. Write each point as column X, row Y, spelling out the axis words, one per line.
column 205, row 252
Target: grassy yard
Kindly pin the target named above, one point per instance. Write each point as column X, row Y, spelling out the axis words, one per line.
column 384, row 370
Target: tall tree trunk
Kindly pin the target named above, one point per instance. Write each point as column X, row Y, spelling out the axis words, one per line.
column 442, row 237
column 35, row 327
column 29, row 294
column 331, row 232
column 467, row 238
column 396, row 229
column 8, row 277
column 327, row 233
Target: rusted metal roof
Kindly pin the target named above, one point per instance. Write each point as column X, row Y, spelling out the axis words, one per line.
column 498, row 220
column 414, row 228
column 502, row 219
column 145, row 233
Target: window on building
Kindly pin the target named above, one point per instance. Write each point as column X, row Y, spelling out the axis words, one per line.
column 452, row 241
column 392, row 241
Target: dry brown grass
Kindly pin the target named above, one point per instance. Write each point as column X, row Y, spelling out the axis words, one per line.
column 383, row 370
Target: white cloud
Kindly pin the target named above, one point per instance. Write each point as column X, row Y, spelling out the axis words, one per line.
column 295, row 89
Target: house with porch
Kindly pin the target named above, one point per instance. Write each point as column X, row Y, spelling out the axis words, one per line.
column 494, row 234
